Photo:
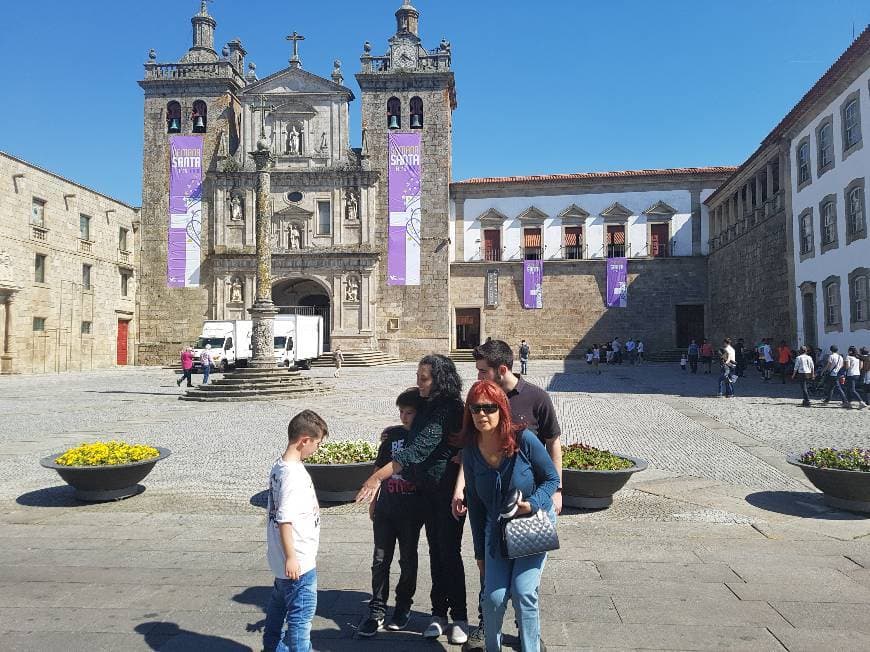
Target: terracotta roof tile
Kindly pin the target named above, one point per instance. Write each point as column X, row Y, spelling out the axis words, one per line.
column 579, row 176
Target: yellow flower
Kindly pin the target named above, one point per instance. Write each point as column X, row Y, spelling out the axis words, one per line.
column 106, row 454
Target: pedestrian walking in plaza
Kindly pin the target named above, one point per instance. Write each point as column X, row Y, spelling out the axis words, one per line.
column 728, row 366
column 805, row 370
column 617, row 350
column 852, row 365
column 693, row 352
column 396, row 516
column 596, row 359
column 865, row 372
column 589, row 356
column 608, row 353
column 707, row 356
column 338, row 359
column 205, row 362
column 766, row 359
column 500, row 459
column 783, row 359
column 631, row 350
column 740, row 357
column 292, row 538
column 524, row 357
column 186, row 367
column 832, row 371
column 641, row 349
column 683, row 361
column 431, row 453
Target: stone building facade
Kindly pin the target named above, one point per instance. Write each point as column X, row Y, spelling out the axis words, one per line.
column 68, row 260
column 572, row 223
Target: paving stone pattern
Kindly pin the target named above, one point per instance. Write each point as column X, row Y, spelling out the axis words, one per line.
column 718, row 546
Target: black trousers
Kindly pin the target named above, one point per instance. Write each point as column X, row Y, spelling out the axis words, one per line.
column 693, row 363
column 405, row 529
column 444, row 536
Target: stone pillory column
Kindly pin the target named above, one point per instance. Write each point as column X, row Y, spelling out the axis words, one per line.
column 263, row 311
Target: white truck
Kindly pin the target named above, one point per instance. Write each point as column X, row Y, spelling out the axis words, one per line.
column 298, row 340
column 230, row 343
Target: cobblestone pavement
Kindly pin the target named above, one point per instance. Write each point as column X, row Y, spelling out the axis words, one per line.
column 699, row 552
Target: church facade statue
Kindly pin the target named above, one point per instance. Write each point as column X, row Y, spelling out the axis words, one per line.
column 351, row 292
column 295, row 237
column 352, row 208
column 237, row 208
column 236, row 291
column 324, row 143
column 293, row 138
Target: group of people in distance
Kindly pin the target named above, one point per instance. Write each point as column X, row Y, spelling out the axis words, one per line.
column 450, row 459
column 615, row 352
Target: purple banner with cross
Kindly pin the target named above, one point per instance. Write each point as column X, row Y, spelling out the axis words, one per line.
column 185, row 211
column 617, row 282
column 533, row 284
column 403, row 181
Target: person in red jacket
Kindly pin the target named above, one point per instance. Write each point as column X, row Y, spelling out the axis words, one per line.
column 186, row 366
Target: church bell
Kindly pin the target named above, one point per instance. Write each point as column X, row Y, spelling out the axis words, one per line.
column 174, row 125
column 416, row 121
column 198, row 123
column 394, row 122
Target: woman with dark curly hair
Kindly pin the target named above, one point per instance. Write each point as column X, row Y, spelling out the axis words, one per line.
column 430, row 457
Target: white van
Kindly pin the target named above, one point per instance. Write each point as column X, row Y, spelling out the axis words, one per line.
column 298, row 340
column 230, row 343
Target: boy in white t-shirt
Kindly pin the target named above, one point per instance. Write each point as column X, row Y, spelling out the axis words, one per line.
column 292, row 538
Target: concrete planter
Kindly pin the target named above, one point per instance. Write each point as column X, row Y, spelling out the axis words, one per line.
column 339, row 483
column 849, row 490
column 102, row 483
column 590, row 489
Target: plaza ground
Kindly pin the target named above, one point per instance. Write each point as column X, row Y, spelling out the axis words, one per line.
column 719, row 545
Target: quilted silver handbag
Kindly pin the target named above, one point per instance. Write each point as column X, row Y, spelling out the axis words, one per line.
column 523, row 536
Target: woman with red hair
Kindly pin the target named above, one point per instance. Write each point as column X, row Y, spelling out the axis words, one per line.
column 501, row 457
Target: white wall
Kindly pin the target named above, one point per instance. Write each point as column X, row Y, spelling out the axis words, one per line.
column 845, row 258
column 705, row 221
column 593, row 229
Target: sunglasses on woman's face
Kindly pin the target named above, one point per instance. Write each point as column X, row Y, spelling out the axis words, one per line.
column 486, row 408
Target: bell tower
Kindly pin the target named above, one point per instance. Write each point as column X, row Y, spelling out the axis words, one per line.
column 408, row 98
column 189, row 119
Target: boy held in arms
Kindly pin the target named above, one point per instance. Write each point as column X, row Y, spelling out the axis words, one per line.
column 292, row 538
column 397, row 515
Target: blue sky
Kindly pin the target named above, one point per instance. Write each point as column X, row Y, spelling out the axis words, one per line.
column 549, row 87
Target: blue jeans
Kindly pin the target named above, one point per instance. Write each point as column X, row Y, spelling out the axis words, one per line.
column 206, row 370
column 725, row 385
column 295, row 600
column 524, row 365
column 852, row 389
column 517, row 580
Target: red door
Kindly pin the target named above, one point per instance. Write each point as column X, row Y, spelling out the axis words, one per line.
column 122, row 341
column 659, row 236
column 491, row 244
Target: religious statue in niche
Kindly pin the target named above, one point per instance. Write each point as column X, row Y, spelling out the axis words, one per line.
column 237, row 207
column 295, row 237
column 352, row 208
column 324, row 144
column 236, row 291
column 294, row 142
column 351, row 292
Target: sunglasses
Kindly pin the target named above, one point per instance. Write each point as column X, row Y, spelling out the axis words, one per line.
column 486, row 408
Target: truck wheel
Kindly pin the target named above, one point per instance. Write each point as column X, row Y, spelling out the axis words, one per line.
column 223, row 366
column 305, row 364
column 286, row 363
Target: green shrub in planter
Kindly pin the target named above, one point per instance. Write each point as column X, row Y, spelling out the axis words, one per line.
column 344, row 452
column 855, row 459
column 583, row 457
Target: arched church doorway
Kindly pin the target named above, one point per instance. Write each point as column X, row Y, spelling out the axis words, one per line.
column 304, row 296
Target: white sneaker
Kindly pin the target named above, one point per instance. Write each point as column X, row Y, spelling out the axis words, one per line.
column 435, row 628
column 457, row 632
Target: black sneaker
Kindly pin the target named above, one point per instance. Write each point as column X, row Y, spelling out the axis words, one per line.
column 476, row 640
column 370, row 627
column 399, row 620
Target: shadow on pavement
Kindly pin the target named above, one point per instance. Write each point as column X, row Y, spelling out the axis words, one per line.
column 804, row 504
column 169, row 636
column 60, row 496
column 122, row 391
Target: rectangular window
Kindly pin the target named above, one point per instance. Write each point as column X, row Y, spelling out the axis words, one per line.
column 856, row 210
column 615, row 241
column 86, row 327
column 826, row 147
column 860, row 292
column 125, row 284
column 806, row 233
column 86, row 277
column 122, row 239
column 574, row 242
column 532, row 247
column 324, row 218
column 39, row 269
column 829, row 223
column 851, row 125
column 85, row 227
column 39, row 324
column 492, row 244
column 37, row 212
column 803, row 163
column 832, row 304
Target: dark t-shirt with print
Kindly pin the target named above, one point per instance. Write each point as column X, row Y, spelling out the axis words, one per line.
column 532, row 406
column 397, row 494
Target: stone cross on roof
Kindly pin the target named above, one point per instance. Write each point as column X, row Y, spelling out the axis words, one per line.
column 294, row 60
column 203, row 7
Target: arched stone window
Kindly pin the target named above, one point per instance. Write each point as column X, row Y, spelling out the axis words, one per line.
column 173, row 118
column 416, row 113
column 199, row 117
column 394, row 113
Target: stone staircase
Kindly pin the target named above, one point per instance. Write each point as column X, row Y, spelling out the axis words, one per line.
column 363, row 358
column 253, row 384
column 664, row 355
column 461, row 355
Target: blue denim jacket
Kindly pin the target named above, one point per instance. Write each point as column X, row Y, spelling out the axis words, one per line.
column 534, row 474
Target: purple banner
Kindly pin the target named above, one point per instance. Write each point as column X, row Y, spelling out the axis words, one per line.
column 533, row 284
column 185, row 211
column 403, row 183
column 617, row 282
